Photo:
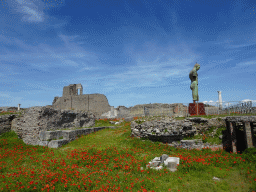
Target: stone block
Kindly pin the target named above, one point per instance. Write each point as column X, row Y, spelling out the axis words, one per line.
column 57, row 143
column 68, row 135
column 43, row 143
column 164, row 161
column 46, row 135
column 128, row 119
column 98, row 128
column 187, row 142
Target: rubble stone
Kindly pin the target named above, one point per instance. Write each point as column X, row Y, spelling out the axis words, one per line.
column 5, row 122
column 38, row 119
column 169, row 130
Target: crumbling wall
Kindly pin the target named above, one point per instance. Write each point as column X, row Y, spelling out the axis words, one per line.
column 5, row 122
column 95, row 103
column 123, row 112
column 154, row 109
column 38, row 119
column 168, row 131
column 241, row 133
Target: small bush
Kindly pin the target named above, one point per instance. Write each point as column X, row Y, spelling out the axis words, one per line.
column 140, row 122
column 9, row 134
column 250, row 154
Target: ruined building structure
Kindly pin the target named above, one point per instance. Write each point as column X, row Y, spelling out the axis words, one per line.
column 95, row 103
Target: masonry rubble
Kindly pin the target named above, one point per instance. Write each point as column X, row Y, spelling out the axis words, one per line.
column 184, row 127
column 170, row 130
column 37, row 119
column 164, row 160
column 170, row 163
column 6, row 122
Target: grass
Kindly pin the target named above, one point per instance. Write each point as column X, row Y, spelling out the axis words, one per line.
column 12, row 112
column 100, row 123
column 110, row 160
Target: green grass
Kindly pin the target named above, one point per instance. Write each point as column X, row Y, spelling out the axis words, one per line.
column 99, row 123
column 110, row 160
column 204, row 135
column 11, row 112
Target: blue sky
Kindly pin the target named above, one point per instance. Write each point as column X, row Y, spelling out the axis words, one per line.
column 134, row 52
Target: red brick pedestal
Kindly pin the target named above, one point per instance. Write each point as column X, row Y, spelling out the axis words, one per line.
column 196, row 109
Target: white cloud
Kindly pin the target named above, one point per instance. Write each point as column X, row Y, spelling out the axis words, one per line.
column 238, row 46
column 79, row 55
column 4, row 95
column 31, row 11
column 23, row 2
column 71, row 63
column 33, row 15
column 246, row 100
column 248, row 63
column 87, row 69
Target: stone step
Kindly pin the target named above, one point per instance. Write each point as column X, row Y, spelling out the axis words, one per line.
column 190, row 142
column 46, row 137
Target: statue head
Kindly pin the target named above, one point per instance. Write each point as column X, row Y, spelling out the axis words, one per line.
column 197, row 66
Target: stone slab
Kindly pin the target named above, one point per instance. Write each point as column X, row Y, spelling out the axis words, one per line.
column 68, row 135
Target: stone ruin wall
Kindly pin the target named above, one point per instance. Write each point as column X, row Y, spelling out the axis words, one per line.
column 38, row 119
column 94, row 103
column 170, row 130
column 240, row 132
column 98, row 103
column 176, row 109
column 6, row 122
column 123, row 112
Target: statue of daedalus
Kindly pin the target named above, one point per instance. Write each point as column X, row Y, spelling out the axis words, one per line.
column 194, row 82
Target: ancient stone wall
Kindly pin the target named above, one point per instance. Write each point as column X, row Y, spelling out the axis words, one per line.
column 179, row 110
column 95, row 103
column 241, row 133
column 211, row 110
column 5, row 122
column 38, row 119
column 154, row 109
column 123, row 112
column 171, row 130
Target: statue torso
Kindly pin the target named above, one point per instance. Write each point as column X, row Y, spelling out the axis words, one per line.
column 193, row 75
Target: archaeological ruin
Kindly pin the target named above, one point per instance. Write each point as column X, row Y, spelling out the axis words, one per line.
column 241, row 133
column 95, row 103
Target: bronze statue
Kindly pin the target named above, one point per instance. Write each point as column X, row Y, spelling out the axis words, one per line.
column 194, row 82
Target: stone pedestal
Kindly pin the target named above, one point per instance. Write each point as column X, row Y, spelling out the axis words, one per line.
column 196, row 109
